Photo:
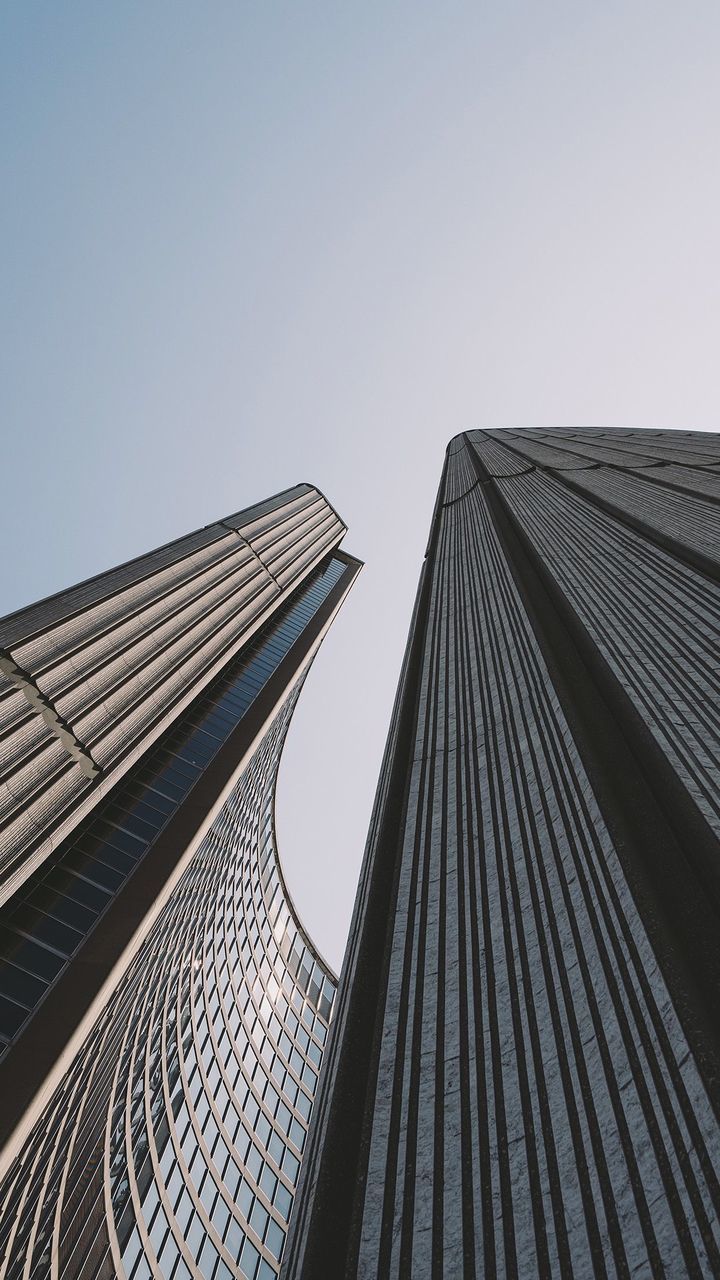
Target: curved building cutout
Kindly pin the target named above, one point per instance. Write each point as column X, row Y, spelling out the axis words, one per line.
column 162, row 1012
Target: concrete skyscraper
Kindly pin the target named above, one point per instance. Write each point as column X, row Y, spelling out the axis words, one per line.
column 163, row 1014
column 523, row 1076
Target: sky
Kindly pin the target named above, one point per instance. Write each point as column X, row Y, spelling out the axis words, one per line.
column 244, row 246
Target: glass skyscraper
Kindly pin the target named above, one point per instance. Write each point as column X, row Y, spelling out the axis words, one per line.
column 521, row 1067
column 163, row 1015
column 523, row 1077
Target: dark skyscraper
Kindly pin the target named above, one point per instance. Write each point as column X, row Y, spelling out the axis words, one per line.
column 163, row 1014
column 523, row 1077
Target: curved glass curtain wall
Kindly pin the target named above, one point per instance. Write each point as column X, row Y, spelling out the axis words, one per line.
column 173, row 1145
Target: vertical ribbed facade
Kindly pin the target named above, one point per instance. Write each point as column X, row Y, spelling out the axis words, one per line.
column 163, row 1013
column 522, row 1078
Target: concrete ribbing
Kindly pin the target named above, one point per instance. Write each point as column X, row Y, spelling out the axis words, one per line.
column 536, row 1094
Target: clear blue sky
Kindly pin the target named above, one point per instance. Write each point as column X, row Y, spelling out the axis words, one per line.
column 246, row 245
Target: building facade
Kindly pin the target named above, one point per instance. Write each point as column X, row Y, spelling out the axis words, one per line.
column 163, row 1015
column 523, row 1074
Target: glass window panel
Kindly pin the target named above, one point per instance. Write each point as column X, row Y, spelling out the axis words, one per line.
column 283, row 1201
column 132, row 1250
column 48, row 930
column 195, row 1235
column 30, row 955
column 93, row 869
column 125, row 831
column 179, row 770
column 154, row 798
column 234, row 1237
column 184, row 1212
column 208, row 1258
column 158, row 1231
column 168, row 1255
column 20, row 986
column 73, row 886
column 221, row 1216
column 145, row 808
column 110, row 855
column 142, row 1269
column 258, row 1219
column 150, row 1202
column 11, row 1017
column 249, row 1260
column 62, row 908
column 275, row 1239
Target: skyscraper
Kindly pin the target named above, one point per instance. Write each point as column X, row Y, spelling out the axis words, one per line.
column 163, row 1014
column 523, row 1077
